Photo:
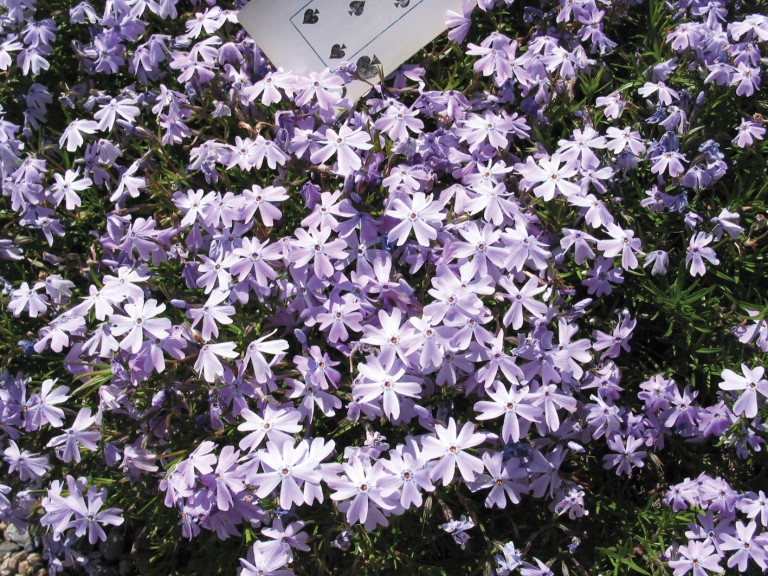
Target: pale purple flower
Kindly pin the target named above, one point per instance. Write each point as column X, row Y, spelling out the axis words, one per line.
column 78, row 434
column 285, row 466
column 450, row 448
column 698, row 251
column 660, row 261
column 27, row 299
column 750, row 384
column 746, row 546
column 369, row 487
column 343, row 143
column 139, row 319
column 89, row 517
column 386, row 382
column 208, row 363
column 423, row 216
column 550, row 176
column 622, row 241
column 626, row 454
column 516, row 405
column 73, row 133
column 747, row 132
column 28, row 465
column 522, row 298
column 275, row 423
column 699, row 557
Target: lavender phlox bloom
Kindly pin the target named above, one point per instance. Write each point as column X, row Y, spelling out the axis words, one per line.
column 568, row 352
column 494, row 128
column 747, row 78
column 449, row 447
column 343, row 143
column 623, row 139
column 545, row 471
column 497, row 56
column 656, row 393
column 573, row 503
column 490, row 353
column 754, row 26
column 517, row 406
column 699, row 557
column 420, row 214
column 125, row 108
column 394, row 338
column 759, row 330
column 137, row 461
column 726, row 222
column 6, row 47
column 324, row 87
column 409, row 177
column 522, row 298
column 509, row 559
column 265, row 560
column 747, row 546
column 408, row 466
column 524, row 249
column 627, row 454
column 613, row 343
column 89, row 517
column 129, row 183
column 581, row 146
column 580, row 242
column 754, row 506
column 342, row 313
column 698, row 251
column 286, row 538
column 750, row 384
column 664, row 92
column 326, row 210
column 78, row 434
column 457, row 529
column 312, row 393
column 28, row 465
column 369, row 487
column 495, row 202
column 212, row 313
column 73, row 133
column 314, row 246
column 397, row 120
column 386, row 382
column 550, row 176
column 26, row 299
column 747, row 132
column 482, row 245
column 286, row 466
column 614, row 105
column 275, row 423
column 541, row 569
column 595, row 212
column 622, row 241
column 139, row 320
column 67, row 187
column 272, row 87
column 208, row 363
column 458, row 24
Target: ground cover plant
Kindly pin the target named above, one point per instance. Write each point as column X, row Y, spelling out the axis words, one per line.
column 506, row 314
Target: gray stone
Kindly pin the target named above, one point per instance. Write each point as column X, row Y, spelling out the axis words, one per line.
column 20, row 537
column 112, row 548
column 6, row 547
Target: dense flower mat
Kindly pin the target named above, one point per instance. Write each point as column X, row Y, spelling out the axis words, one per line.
column 505, row 313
